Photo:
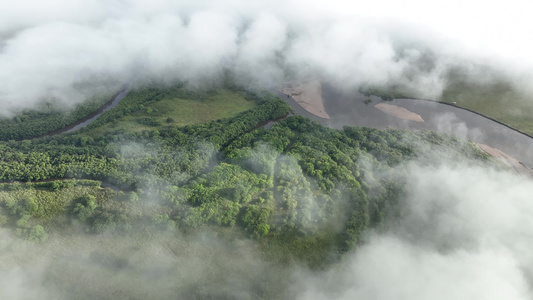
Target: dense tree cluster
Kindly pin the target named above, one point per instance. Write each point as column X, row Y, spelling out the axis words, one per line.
column 297, row 177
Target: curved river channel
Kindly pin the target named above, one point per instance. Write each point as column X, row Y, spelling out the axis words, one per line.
column 348, row 109
column 102, row 110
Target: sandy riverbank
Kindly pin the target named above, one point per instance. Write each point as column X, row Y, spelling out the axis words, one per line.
column 309, row 96
column 509, row 161
column 399, row 112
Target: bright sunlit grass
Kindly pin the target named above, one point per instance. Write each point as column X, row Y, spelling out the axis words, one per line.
column 219, row 104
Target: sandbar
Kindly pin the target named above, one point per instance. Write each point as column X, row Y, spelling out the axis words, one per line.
column 399, row 112
column 309, row 96
column 509, row 161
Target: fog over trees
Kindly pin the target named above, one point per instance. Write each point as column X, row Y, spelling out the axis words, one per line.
column 143, row 205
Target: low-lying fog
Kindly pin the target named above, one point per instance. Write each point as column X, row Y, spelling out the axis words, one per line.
column 462, row 234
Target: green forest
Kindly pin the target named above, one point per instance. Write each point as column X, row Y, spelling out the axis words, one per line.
column 228, row 172
column 300, row 190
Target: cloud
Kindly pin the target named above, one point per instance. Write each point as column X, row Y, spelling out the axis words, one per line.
column 463, row 234
column 449, row 123
column 53, row 49
column 389, row 268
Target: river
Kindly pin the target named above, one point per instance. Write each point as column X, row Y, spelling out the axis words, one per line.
column 95, row 116
column 348, row 109
column 90, row 118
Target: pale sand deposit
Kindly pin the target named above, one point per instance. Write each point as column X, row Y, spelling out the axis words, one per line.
column 309, row 96
column 518, row 167
column 399, row 112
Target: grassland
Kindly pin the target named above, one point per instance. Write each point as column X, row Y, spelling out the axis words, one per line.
column 497, row 100
column 178, row 109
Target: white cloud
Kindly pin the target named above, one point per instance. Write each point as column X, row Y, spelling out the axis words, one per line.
column 48, row 48
column 464, row 234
